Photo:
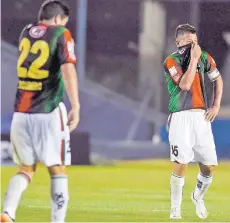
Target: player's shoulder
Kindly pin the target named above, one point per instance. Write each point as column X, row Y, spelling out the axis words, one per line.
column 61, row 30
column 206, row 56
column 64, row 35
column 27, row 27
column 25, row 30
column 173, row 57
column 58, row 28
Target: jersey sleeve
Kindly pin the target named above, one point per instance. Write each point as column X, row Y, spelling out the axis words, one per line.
column 173, row 69
column 211, row 69
column 66, row 52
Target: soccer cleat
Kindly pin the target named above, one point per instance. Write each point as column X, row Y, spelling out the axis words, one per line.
column 175, row 213
column 5, row 218
column 201, row 211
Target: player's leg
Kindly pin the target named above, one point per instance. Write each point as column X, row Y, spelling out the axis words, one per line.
column 59, row 177
column 181, row 142
column 59, row 193
column 25, row 159
column 205, row 154
column 204, row 181
column 176, row 189
column 55, row 154
column 16, row 187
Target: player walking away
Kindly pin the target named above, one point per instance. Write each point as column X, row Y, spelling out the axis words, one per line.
column 190, row 134
column 40, row 127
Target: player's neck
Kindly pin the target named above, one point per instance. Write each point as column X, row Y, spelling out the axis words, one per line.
column 47, row 22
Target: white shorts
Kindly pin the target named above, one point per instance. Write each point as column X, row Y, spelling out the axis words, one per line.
column 191, row 138
column 41, row 137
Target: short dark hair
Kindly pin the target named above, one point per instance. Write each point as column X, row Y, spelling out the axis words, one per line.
column 184, row 28
column 52, row 8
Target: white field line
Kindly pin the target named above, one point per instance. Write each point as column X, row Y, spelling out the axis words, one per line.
column 146, row 194
column 107, row 209
column 96, row 209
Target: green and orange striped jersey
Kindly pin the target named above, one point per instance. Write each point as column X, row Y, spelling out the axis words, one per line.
column 42, row 51
column 199, row 96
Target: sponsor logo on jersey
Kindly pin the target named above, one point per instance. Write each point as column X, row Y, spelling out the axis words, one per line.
column 174, row 74
column 70, row 48
column 37, row 31
column 172, row 71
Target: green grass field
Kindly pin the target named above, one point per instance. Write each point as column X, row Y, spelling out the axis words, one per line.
column 126, row 192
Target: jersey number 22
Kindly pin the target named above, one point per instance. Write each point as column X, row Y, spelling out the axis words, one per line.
column 34, row 71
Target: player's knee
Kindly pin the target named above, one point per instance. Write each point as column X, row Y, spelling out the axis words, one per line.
column 211, row 169
column 57, row 170
column 207, row 170
column 179, row 169
column 27, row 171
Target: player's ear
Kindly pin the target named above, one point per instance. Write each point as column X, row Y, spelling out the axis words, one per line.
column 177, row 43
column 57, row 20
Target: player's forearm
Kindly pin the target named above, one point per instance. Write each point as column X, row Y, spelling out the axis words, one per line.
column 69, row 75
column 189, row 75
column 71, row 86
column 218, row 92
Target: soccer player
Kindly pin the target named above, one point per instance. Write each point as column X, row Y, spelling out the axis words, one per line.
column 187, row 72
column 40, row 126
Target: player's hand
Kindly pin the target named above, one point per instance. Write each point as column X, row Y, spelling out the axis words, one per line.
column 211, row 113
column 195, row 51
column 73, row 118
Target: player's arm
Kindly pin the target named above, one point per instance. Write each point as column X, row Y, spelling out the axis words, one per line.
column 218, row 92
column 68, row 59
column 214, row 76
column 69, row 75
column 173, row 68
column 188, row 77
